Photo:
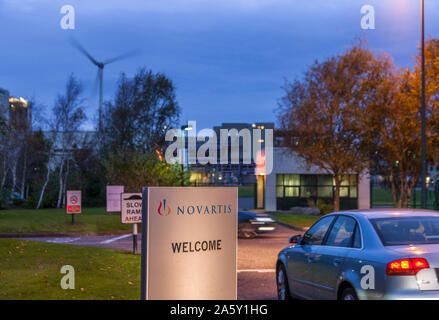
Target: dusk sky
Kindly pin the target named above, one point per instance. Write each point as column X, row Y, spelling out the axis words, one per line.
column 227, row 58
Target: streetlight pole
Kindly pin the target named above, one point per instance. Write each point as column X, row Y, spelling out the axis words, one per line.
column 183, row 145
column 423, row 135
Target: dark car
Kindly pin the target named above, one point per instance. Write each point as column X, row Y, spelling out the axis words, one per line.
column 250, row 224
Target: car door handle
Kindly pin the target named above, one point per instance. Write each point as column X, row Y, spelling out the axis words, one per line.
column 310, row 259
column 337, row 262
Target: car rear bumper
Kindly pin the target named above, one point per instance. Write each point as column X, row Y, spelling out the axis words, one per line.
column 412, row 295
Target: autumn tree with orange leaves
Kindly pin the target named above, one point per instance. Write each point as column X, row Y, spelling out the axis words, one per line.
column 357, row 111
column 395, row 127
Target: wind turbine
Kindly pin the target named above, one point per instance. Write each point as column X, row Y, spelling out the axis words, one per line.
column 101, row 66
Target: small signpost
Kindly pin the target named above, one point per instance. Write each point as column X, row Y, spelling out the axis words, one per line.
column 113, row 198
column 189, row 243
column 131, row 213
column 74, row 203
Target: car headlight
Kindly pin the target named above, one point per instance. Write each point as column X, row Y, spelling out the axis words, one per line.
column 260, row 219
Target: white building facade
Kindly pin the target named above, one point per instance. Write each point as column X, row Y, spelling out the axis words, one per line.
column 294, row 183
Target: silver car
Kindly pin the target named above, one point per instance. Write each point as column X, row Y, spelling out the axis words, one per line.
column 363, row 254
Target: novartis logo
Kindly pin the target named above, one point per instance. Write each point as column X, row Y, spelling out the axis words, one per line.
column 162, row 210
column 195, row 209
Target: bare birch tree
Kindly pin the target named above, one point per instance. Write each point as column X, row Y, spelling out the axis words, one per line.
column 69, row 116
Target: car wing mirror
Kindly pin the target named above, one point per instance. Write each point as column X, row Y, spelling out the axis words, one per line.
column 295, row 239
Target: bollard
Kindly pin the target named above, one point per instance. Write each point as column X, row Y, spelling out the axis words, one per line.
column 134, row 238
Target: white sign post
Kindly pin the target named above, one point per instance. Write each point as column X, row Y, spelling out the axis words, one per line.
column 74, row 203
column 113, row 198
column 131, row 213
column 189, row 243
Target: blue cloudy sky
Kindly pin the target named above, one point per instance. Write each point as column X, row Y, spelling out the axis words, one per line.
column 227, row 58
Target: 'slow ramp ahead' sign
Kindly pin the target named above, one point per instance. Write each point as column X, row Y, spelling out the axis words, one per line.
column 131, row 208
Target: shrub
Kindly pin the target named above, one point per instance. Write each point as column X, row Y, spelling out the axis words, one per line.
column 5, row 198
column 324, row 206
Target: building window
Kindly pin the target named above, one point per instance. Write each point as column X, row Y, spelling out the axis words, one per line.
column 279, row 192
column 312, row 186
column 324, row 192
column 291, row 179
column 292, row 191
column 299, row 190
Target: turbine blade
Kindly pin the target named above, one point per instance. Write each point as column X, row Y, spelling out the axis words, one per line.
column 78, row 46
column 123, row 56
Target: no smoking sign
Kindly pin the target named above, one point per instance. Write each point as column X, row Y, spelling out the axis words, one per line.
column 73, row 202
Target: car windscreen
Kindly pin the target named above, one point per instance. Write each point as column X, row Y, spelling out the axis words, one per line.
column 407, row 230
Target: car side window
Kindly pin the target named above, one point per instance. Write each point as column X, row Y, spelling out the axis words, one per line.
column 316, row 234
column 342, row 232
column 357, row 237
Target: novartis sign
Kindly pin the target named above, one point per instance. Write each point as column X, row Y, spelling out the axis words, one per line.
column 189, row 243
column 195, row 209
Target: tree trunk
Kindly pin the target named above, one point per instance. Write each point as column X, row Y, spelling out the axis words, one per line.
column 61, row 167
column 65, row 184
column 409, row 196
column 44, row 186
column 337, row 193
column 411, row 185
column 401, row 191
column 23, row 178
column 392, row 182
column 5, row 174
column 14, row 178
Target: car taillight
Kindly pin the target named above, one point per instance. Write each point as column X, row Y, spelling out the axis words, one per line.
column 406, row 267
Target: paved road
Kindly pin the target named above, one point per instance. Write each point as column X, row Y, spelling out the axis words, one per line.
column 256, row 258
column 257, row 263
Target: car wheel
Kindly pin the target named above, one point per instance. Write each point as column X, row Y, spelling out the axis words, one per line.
column 348, row 294
column 246, row 231
column 283, row 290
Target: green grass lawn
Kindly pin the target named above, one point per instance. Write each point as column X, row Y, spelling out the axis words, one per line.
column 56, row 220
column 297, row 220
column 31, row 270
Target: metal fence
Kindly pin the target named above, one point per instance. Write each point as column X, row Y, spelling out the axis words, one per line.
column 381, row 196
